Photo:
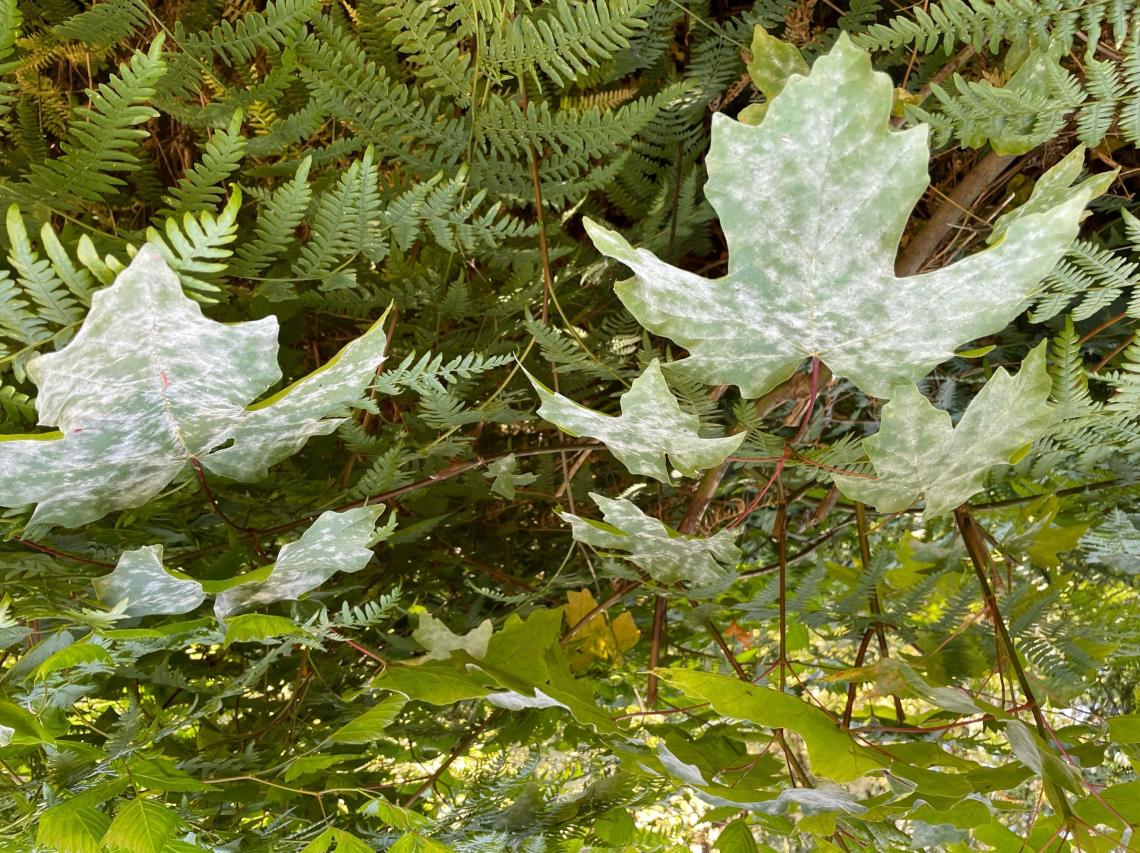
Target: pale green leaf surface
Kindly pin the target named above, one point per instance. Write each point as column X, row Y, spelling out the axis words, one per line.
column 651, row 426
column 148, row 385
column 668, row 556
column 833, row 752
column 917, row 451
column 143, row 582
column 813, row 202
column 141, row 826
column 335, row 542
column 773, row 62
column 505, row 477
column 278, row 427
column 441, row 641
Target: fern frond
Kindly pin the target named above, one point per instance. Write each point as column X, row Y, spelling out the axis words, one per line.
column 17, row 408
column 384, row 112
column 101, row 138
column 276, row 223
column 202, row 187
column 344, row 222
column 35, row 276
column 429, row 40
column 276, row 27
column 196, row 250
column 384, row 473
column 982, row 25
column 106, row 23
column 564, row 39
column 1089, row 275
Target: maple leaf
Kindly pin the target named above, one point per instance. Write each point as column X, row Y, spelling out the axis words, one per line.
column 813, row 202
column 668, row 556
column 149, row 385
column 918, row 452
column 147, row 586
column 335, row 542
column 651, row 426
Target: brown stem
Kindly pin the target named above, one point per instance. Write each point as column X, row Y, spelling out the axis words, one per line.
column 660, row 609
column 63, row 555
column 974, row 540
column 718, row 638
column 849, row 707
column 923, row 245
column 780, row 529
column 208, row 493
column 873, row 598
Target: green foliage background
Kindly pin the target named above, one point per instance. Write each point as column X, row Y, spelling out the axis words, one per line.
column 323, row 160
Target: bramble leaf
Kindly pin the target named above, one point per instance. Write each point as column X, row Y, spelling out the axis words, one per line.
column 832, row 751
column 149, row 385
column 668, row 556
column 813, row 202
column 918, row 452
column 651, row 426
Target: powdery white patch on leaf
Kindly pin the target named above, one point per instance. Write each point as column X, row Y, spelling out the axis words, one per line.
column 149, row 384
column 917, row 451
column 335, row 542
column 147, row 586
column 813, row 202
column 441, row 641
column 668, row 556
column 651, row 426
column 277, row 428
column 511, row 700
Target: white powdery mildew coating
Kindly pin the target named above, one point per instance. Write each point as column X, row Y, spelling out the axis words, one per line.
column 667, row 556
column 140, row 579
column 335, row 542
column 148, row 384
column 813, row 202
column 650, row 427
column 918, row 452
column 275, row 430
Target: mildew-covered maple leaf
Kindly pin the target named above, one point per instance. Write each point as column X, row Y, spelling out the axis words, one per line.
column 149, row 385
column 813, row 202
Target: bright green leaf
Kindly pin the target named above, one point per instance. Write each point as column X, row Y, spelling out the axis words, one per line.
column 370, row 725
column 258, row 627
column 773, row 62
column 832, row 751
column 77, row 654
column 142, row 826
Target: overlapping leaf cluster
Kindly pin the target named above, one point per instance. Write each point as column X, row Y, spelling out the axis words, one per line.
column 777, row 547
